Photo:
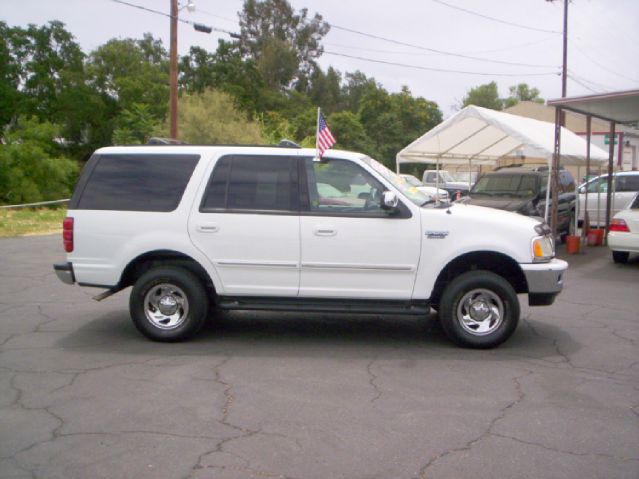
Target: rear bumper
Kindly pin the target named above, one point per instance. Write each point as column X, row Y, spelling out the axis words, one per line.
column 64, row 272
column 621, row 241
column 545, row 281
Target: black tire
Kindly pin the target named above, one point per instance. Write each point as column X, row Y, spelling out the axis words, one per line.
column 620, row 256
column 182, row 296
column 492, row 296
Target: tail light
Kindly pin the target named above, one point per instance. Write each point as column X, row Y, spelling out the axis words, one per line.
column 67, row 234
column 617, row 224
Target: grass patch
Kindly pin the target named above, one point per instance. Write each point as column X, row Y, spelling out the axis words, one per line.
column 31, row 221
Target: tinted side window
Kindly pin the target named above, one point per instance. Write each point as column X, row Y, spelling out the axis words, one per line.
column 628, row 183
column 137, row 182
column 263, row 183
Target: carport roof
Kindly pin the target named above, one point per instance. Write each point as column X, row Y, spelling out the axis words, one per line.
column 620, row 107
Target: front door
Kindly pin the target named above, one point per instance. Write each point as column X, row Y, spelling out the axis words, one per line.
column 351, row 247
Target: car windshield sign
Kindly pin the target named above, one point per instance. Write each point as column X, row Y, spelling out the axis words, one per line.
column 412, row 193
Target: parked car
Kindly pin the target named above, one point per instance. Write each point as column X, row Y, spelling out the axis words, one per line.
column 625, row 186
column 467, row 177
column 523, row 190
column 195, row 229
column 433, row 193
column 623, row 237
column 443, row 179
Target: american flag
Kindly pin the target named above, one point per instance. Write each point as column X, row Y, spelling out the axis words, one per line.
column 325, row 138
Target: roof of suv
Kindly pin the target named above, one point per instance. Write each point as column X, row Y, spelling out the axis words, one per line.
column 228, row 149
column 519, row 170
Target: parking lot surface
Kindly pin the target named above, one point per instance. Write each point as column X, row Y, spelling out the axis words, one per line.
column 256, row 395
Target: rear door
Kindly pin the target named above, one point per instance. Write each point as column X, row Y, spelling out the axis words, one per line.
column 248, row 225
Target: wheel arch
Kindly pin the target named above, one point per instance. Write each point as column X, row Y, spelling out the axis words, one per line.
column 498, row 263
column 163, row 257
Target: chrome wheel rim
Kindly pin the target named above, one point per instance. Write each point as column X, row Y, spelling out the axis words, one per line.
column 166, row 306
column 480, row 312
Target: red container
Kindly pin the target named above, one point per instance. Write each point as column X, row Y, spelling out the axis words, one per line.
column 573, row 244
column 595, row 237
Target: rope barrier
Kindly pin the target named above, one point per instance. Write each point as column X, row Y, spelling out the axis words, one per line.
column 41, row 203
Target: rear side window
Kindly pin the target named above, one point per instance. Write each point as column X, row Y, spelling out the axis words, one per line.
column 137, row 182
column 628, row 183
column 253, row 183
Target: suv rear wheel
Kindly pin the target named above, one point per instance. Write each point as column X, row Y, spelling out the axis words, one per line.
column 168, row 303
column 479, row 309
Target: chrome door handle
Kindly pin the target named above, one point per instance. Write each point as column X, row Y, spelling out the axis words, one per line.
column 324, row 231
column 208, row 228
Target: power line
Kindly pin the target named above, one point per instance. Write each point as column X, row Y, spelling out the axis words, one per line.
column 197, row 26
column 441, row 52
column 486, row 17
column 607, row 69
column 441, row 70
column 413, row 53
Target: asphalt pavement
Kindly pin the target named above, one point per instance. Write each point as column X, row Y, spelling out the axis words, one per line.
column 256, row 395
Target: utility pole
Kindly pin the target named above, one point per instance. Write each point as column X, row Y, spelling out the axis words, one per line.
column 173, row 95
column 560, row 120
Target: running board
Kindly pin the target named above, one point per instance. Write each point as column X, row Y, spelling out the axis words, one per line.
column 317, row 305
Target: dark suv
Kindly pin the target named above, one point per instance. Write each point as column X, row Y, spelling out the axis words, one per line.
column 522, row 190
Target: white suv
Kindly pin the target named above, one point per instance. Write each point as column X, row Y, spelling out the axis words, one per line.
column 269, row 228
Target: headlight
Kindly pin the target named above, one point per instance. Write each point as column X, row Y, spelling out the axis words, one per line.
column 542, row 249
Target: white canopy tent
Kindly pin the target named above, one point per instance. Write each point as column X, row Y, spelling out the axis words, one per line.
column 481, row 136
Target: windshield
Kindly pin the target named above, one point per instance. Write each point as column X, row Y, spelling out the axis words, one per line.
column 411, row 180
column 398, row 182
column 446, row 177
column 524, row 186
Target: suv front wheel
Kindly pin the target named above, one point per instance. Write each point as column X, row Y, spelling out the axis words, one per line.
column 479, row 309
column 168, row 303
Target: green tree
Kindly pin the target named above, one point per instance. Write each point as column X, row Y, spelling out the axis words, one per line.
column 350, row 133
column 325, row 89
column 485, row 96
column 31, row 168
column 134, row 126
column 357, row 84
column 522, row 92
column 42, row 73
column 283, row 44
column 128, row 71
column 392, row 121
column 211, row 117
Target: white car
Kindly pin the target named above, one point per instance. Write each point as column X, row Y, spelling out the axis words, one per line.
column 623, row 238
column 625, row 187
column 433, row 193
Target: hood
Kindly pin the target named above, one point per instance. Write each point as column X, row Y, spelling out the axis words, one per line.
column 458, row 185
column 498, row 202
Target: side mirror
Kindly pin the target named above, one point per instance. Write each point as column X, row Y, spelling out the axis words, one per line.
column 389, row 200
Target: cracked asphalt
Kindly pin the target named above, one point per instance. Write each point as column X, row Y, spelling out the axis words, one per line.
column 82, row 394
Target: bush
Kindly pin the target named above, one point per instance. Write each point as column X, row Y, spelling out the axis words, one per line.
column 210, row 118
column 31, row 168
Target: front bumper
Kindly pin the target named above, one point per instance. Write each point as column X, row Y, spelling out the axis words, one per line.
column 64, row 272
column 545, row 281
